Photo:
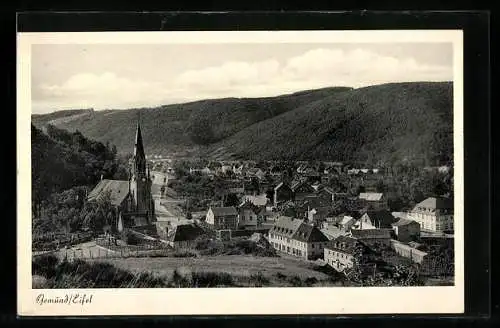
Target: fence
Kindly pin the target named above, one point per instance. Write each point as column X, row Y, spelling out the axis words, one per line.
column 53, row 245
column 104, row 253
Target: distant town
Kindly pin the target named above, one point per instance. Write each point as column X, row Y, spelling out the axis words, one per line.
column 320, row 223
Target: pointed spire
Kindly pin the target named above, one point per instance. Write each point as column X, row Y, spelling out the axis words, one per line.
column 138, row 148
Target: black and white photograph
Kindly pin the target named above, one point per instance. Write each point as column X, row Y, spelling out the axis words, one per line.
column 325, row 161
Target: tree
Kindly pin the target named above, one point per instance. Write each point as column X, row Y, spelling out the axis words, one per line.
column 200, row 131
column 232, row 200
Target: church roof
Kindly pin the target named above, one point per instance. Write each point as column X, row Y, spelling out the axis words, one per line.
column 118, row 190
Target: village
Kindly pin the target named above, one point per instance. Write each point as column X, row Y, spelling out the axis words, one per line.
column 295, row 210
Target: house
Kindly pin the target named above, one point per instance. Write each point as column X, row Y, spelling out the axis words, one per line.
column 372, row 237
column 318, row 214
column 238, row 191
column 225, row 169
column 206, row 171
column 265, row 216
column 373, row 200
column 301, row 190
column 343, row 252
column 260, row 200
column 256, row 172
column 238, row 170
column 184, row 235
column 282, row 193
column 381, row 219
column 406, row 230
column 433, row 214
column 302, row 169
column 222, row 217
column 346, row 223
column 326, row 193
column 248, row 215
column 294, row 237
column 331, row 232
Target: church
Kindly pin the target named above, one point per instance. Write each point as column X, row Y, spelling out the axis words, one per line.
column 132, row 199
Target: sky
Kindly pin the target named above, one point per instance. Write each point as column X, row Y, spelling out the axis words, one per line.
column 120, row 76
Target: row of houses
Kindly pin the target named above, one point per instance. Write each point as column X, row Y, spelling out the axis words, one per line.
column 298, row 238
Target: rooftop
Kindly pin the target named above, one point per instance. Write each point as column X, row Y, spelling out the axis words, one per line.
column 371, row 196
column 403, row 222
column 343, row 244
column 286, row 226
column 371, row 234
column 224, row 211
column 118, row 190
column 309, row 233
column 185, row 232
column 381, row 218
column 435, row 203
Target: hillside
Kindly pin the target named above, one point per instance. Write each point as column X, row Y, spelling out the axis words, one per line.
column 373, row 125
column 62, row 160
column 180, row 126
column 377, row 124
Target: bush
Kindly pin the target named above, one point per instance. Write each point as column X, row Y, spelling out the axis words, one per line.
column 295, row 281
column 81, row 274
column 311, row 281
column 182, row 277
column 45, row 265
column 259, row 279
column 212, row 279
column 280, row 275
column 39, row 282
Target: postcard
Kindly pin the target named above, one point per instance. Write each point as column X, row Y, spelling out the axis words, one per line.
column 240, row 172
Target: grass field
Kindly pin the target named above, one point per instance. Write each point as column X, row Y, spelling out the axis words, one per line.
column 232, row 264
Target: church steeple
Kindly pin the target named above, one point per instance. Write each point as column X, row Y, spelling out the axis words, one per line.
column 138, row 148
column 139, row 156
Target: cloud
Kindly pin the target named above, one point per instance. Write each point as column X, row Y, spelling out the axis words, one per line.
column 104, row 90
column 230, row 74
column 359, row 67
column 315, row 68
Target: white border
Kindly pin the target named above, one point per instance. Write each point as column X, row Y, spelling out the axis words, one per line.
column 227, row 301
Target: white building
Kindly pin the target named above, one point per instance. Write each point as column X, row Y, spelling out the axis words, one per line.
column 295, row 237
column 433, row 214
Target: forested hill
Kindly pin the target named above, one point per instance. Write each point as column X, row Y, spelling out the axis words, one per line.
column 374, row 125
column 62, row 160
column 378, row 124
column 179, row 126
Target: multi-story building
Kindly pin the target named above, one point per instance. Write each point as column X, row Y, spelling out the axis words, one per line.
column 341, row 252
column 373, row 200
column 433, row 214
column 222, row 218
column 295, row 237
column 406, row 230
